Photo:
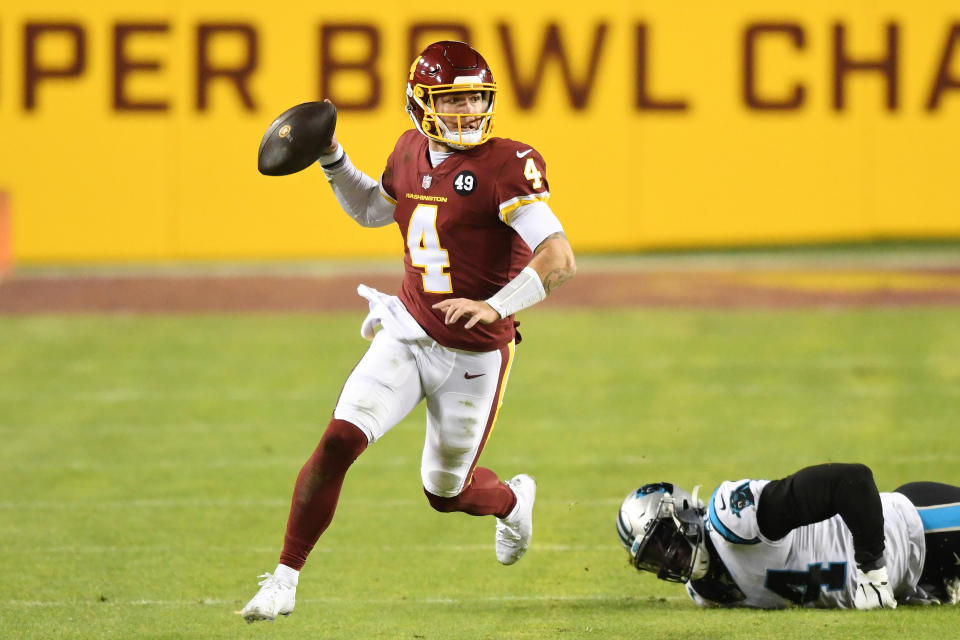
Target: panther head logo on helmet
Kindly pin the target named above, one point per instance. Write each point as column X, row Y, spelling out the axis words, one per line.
column 449, row 67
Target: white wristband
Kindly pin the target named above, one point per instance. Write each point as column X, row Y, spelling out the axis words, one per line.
column 523, row 291
column 330, row 158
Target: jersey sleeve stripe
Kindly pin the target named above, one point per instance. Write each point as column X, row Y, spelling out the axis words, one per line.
column 511, row 205
column 722, row 529
column 940, row 518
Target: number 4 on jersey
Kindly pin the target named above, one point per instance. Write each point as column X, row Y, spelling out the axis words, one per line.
column 803, row 587
column 423, row 241
column 531, row 173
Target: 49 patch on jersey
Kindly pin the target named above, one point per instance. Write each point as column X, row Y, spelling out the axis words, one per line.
column 465, row 183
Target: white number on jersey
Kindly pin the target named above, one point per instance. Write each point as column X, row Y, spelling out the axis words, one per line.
column 463, row 182
column 530, row 173
column 423, row 241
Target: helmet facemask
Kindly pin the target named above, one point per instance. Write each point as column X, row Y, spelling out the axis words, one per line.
column 430, row 123
column 665, row 532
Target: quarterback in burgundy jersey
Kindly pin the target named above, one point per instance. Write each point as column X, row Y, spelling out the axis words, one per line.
column 480, row 244
column 468, row 198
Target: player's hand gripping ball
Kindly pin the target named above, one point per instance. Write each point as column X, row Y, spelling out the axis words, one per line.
column 296, row 138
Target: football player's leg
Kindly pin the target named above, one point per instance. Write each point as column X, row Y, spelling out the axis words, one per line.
column 939, row 508
column 484, row 495
column 460, row 417
column 461, row 412
column 380, row 391
column 317, row 490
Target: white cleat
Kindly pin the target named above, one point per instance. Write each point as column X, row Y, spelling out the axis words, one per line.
column 514, row 531
column 274, row 598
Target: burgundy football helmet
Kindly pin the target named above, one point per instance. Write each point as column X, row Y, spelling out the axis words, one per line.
column 450, row 67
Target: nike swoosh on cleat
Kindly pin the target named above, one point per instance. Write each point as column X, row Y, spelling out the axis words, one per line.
column 470, row 376
column 520, row 155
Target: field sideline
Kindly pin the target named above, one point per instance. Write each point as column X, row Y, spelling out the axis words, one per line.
column 148, row 457
column 840, row 277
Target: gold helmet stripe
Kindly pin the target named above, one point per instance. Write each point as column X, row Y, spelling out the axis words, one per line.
column 413, row 67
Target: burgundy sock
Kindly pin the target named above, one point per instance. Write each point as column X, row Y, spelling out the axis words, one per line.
column 317, row 489
column 484, row 495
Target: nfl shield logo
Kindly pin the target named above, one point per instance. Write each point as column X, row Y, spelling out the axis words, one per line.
column 426, row 182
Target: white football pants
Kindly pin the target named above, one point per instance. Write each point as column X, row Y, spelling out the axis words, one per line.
column 464, row 391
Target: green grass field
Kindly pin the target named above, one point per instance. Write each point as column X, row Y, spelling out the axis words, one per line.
column 147, row 465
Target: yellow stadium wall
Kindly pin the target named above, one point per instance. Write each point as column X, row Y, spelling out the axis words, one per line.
column 129, row 132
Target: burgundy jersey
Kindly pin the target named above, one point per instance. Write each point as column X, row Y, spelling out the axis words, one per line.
column 456, row 241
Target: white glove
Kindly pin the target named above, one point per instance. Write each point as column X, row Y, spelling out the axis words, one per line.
column 952, row 588
column 873, row 590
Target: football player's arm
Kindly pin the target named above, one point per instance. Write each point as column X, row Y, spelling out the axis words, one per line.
column 823, row 491
column 358, row 194
column 553, row 264
column 553, row 261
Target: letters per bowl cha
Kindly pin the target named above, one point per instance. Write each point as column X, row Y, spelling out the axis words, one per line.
column 296, row 138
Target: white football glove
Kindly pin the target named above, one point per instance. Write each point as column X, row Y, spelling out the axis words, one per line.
column 952, row 588
column 873, row 590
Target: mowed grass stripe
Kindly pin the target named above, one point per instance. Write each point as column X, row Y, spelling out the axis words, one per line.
column 413, row 601
column 227, row 503
column 770, row 389
column 292, row 465
column 359, row 547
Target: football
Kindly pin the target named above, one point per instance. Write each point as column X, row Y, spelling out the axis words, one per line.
column 296, row 138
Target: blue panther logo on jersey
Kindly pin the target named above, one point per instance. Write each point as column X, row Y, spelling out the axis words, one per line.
column 741, row 498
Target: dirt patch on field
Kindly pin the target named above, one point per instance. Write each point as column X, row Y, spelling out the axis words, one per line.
column 755, row 287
